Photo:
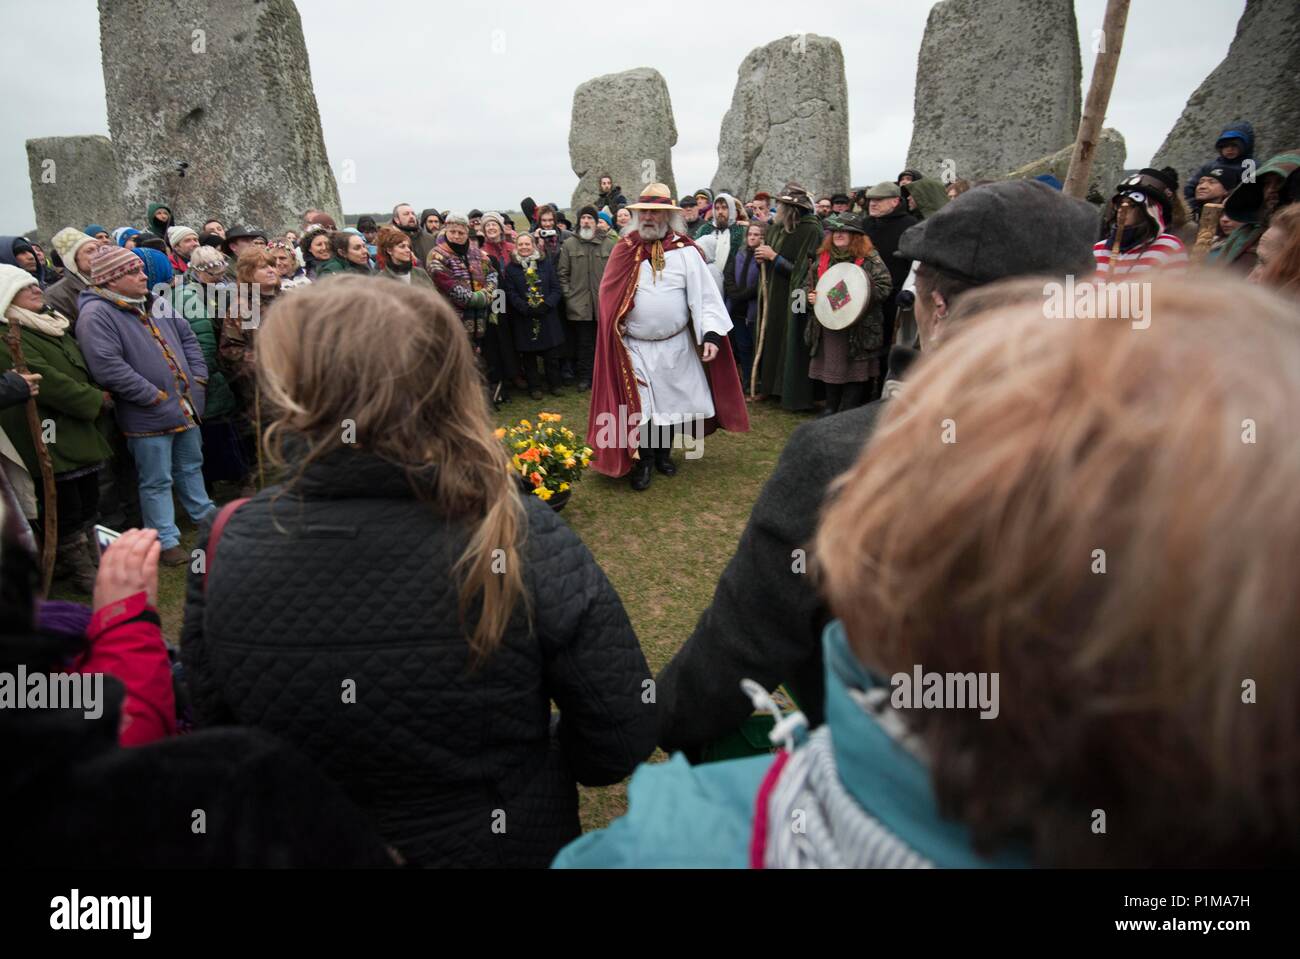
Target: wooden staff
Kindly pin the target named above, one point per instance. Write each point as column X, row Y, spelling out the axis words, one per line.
column 1121, row 215
column 762, row 328
column 1094, row 108
column 1210, row 214
column 51, row 541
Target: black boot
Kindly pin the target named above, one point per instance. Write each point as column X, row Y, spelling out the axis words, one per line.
column 642, row 472
column 664, row 461
column 854, row 395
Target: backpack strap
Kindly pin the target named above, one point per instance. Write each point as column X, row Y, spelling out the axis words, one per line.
column 218, row 526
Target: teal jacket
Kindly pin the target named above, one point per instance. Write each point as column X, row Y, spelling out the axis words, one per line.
column 683, row 816
column 189, row 299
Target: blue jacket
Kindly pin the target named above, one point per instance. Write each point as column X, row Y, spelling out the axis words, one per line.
column 703, row 816
column 1241, row 130
column 126, row 360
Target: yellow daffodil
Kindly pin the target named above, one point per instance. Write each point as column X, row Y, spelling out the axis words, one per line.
column 542, row 493
column 525, row 424
column 563, row 487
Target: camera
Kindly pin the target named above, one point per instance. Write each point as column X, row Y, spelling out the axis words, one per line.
column 546, row 233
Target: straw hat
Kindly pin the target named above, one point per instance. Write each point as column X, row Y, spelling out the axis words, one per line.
column 655, row 196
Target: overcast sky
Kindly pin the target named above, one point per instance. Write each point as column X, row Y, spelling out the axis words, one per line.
column 433, row 105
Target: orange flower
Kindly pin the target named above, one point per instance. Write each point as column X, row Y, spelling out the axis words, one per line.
column 536, row 478
column 531, row 455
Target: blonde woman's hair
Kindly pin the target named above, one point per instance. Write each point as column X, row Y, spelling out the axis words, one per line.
column 395, row 361
column 1109, row 518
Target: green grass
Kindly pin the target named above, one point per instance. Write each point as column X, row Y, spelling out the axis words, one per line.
column 663, row 549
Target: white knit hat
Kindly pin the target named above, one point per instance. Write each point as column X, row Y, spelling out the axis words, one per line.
column 66, row 243
column 178, row 233
column 12, row 279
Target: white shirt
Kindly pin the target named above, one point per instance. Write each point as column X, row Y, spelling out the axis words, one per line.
column 670, row 314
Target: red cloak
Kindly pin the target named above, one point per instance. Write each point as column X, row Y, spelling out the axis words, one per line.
column 613, row 384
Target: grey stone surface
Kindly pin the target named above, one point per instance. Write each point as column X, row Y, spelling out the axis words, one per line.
column 74, row 183
column 789, row 119
column 998, row 85
column 1259, row 81
column 622, row 125
column 1107, row 165
column 234, row 102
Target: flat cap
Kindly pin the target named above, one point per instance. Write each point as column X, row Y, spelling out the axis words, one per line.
column 1014, row 228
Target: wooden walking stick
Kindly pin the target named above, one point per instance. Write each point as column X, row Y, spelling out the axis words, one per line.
column 50, row 544
column 762, row 328
column 1210, row 214
column 1094, row 108
column 1121, row 217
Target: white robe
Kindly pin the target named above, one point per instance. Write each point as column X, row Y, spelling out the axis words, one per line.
column 660, row 341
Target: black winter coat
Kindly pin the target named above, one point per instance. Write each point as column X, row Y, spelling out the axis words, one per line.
column 544, row 320
column 344, row 582
column 766, row 619
column 884, row 232
column 75, row 799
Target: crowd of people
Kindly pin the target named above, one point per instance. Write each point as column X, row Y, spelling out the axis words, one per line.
column 391, row 656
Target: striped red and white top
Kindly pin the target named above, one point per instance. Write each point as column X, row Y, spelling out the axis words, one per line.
column 1163, row 252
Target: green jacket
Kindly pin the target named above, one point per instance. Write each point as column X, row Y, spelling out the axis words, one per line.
column 783, row 369
column 67, row 396
column 335, row 265
column 579, row 267
column 867, row 332
column 930, row 196
column 1245, row 204
column 189, row 299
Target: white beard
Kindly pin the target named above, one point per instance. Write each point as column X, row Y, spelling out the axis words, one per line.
column 586, row 233
column 653, row 231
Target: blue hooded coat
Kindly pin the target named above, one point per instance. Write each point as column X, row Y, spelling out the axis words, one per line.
column 1236, row 130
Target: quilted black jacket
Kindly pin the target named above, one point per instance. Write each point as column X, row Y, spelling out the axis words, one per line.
column 344, row 582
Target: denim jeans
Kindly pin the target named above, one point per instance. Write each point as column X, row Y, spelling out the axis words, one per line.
column 173, row 459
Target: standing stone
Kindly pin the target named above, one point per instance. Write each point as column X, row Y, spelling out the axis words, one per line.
column 789, row 120
column 997, row 86
column 1107, row 165
column 622, row 125
column 225, row 88
column 1258, row 81
column 74, row 183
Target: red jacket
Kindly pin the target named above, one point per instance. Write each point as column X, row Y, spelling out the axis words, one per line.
column 125, row 641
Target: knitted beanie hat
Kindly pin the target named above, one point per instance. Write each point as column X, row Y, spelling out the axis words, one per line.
column 110, row 262
column 12, row 279
column 66, row 243
column 178, row 233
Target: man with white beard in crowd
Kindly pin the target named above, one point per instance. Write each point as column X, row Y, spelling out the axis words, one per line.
column 579, row 268
column 663, row 360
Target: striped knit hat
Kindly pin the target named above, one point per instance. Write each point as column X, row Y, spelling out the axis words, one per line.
column 110, row 262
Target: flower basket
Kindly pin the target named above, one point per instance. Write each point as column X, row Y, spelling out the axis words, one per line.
column 547, row 458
